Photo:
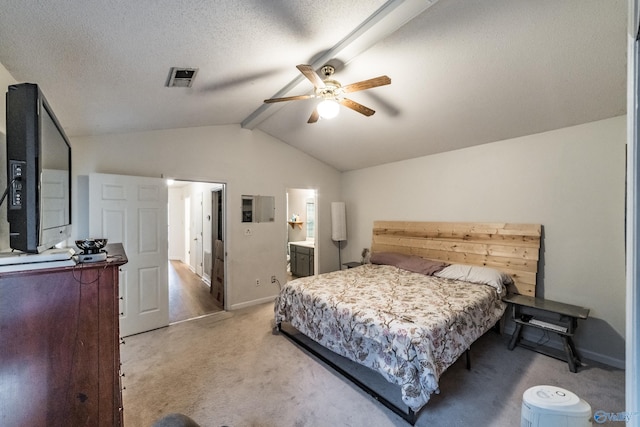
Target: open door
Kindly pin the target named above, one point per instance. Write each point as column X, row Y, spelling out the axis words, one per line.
column 217, row 236
column 197, row 245
column 133, row 211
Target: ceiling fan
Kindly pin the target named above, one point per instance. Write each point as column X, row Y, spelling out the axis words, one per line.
column 331, row 92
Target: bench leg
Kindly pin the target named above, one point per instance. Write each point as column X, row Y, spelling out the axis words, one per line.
column 572, row 359
column 576, row 356
column 515, row 337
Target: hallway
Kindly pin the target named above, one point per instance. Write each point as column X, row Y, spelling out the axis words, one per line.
column 189, row 296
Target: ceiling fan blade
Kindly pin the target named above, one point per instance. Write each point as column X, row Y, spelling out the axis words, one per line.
column 367, row 84
column 314, row 116
column 310, row 73
column 357, row 107
column 288, row 98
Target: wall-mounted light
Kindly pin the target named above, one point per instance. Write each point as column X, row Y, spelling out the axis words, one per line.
column 328, row 109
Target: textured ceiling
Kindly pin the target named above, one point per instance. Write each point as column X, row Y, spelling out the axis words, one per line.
column 464, row 72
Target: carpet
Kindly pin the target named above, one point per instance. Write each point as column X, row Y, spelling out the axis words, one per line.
column 231, row 369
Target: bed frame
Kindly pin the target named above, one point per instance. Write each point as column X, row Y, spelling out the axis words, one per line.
column 511, row 248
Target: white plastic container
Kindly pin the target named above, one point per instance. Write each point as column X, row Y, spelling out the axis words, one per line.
column 550, row 406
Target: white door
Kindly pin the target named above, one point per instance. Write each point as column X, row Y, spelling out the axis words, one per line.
column 187, row 230
column 55, row 197
column 207, row 243
column 198, row 218
column 133, row 211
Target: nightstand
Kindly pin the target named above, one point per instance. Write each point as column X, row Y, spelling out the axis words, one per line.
column 352, row 264
column 547, row 315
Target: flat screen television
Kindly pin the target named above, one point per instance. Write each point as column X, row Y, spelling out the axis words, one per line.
column 38, row 172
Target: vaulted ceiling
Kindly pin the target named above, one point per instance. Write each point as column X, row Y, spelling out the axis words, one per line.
column 463, row 72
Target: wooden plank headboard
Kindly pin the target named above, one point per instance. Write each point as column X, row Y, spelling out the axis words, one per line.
column 511, row 248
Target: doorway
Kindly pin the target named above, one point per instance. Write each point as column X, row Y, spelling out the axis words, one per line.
column 196, row 249
column 301, row 232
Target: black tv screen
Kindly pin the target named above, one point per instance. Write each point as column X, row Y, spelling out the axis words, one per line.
column 38, row 172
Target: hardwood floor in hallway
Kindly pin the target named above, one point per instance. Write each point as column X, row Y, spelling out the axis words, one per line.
column 189, row 295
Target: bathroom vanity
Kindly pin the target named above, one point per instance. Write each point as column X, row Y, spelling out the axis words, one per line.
column 301, row 257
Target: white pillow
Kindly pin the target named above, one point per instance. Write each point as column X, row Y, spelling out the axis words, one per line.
column 476, row 274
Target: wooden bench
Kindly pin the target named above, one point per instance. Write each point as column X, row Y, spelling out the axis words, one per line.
column 547, row 315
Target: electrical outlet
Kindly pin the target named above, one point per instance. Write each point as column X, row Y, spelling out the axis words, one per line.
column 273, row 279
column 257, row 282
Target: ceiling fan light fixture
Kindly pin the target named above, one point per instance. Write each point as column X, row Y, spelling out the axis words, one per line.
column 328, row 108
column 331, row 93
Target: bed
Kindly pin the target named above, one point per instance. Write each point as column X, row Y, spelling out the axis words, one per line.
column 431, row 290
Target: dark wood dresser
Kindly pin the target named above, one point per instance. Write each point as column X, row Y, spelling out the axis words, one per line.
column 59, row 345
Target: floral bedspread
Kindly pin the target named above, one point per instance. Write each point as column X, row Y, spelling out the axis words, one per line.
column 407, row 326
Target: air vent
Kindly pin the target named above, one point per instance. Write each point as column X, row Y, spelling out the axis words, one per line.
column 181, row 77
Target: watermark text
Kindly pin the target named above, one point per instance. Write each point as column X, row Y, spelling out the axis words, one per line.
column 602, row 417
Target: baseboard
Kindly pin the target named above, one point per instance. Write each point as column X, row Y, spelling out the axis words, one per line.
column 252, row 302
column 602, row 358
column 555, row 343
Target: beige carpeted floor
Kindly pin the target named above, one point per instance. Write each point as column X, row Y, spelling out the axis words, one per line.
column 230, row 369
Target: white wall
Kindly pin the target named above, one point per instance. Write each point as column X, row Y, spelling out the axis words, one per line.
column 5, row 80
column 249, row 162
column 572, row 181
column 176, row 224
